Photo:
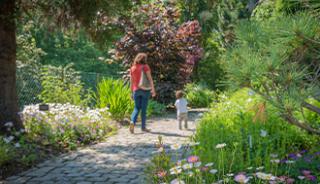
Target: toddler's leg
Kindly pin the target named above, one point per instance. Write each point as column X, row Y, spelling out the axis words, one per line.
column 180, row 121
column 186, row 121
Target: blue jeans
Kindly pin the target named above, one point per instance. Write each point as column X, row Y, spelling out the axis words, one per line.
column 141, row 98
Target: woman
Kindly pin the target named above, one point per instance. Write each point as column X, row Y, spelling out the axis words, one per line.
column 140, row 96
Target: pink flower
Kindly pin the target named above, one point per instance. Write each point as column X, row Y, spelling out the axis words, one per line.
column 290, row 181
column 161, row 174
column 311, row 178
column 306, row 172
column 193, row 159
column 241, row 178
column 204, row 168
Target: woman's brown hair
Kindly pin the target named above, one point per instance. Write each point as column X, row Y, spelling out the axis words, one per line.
column 141, row 58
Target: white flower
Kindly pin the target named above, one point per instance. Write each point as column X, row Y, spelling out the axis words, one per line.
column 213, row 171
column 187, row 166
column 190, row 173
column 8, row 124
column 259, row 168
column 265, row 176
column 275, row 161
column 101, row 58
column 249, row 100
column 263, row 133
column 290, row 162
column 273, row 155
column 230, row 174
column 194, row 144
column 175, row 146
column 197, row 164
column 219, row 146
column 177, row 181
column 8, row 139
column 250, row 93
column 17, row 145
column 176, row 170
column 209, row 164
column 301, row 177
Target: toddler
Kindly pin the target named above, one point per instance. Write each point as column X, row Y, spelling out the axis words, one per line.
column 182, row 111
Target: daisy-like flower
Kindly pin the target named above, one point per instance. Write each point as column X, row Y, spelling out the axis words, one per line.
column 275, row 161
column 175, row 146
column 187, row 166
column 213, row 171
column 241, row 178
column 8, row 124
column 230, row 174
column 273, row 155
column 265, row 176
column 219, row 146
column 161, row 174
column 17, row 145
column 175, row 170
column 197, row 164
column 259, row 168
column 209, row 164
column 301, row 177
column 190, row 173
column 263, row 133
column 193, row 159
column 290, row 162
column 177, row 181
column 8, row 139
column 194, row 144
column 204, row 169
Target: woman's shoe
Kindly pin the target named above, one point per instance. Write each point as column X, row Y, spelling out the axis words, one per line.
column 131, row 128
column 146, row 130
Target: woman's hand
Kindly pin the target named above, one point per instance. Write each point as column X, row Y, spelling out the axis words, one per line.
column 153, row 92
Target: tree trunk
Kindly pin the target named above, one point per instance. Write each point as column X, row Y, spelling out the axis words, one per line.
column 8, row 96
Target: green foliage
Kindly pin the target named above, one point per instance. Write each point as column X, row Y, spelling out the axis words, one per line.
column 62, row 85
column 116, row 95
column 239, row 121
column 199, row 95
column 277, row 59
column 65, row 126
column 155, row 108
column 7, row 153
column 240, row 135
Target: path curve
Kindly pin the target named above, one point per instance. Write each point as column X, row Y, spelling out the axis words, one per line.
column 121, row 159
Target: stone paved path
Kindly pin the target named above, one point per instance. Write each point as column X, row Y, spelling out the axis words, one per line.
column 120, row 159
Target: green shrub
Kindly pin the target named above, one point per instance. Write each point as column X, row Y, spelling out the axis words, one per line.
column 240, row 135
column 7, row 153
column 155, row 108
column 198, row 95
column 252, row 132
column 63, row 85
column 116, row 95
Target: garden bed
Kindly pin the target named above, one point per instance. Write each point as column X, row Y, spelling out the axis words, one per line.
column 47, row 134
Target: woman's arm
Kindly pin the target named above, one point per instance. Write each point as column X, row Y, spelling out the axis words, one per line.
column 153, row 91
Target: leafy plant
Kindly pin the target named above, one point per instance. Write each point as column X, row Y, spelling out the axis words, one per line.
column 172, row 49
column 155, row 108
column 241, row 137
column 115, row 95
column 62, row 85
column 198, row 95
column 278, row 60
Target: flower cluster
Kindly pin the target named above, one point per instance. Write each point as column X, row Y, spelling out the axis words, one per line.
column 65, row 124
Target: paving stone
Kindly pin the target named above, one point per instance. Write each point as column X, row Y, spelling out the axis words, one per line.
column 120, row 159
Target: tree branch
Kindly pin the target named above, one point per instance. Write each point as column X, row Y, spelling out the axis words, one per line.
column 297, row 123
column 311, row 107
